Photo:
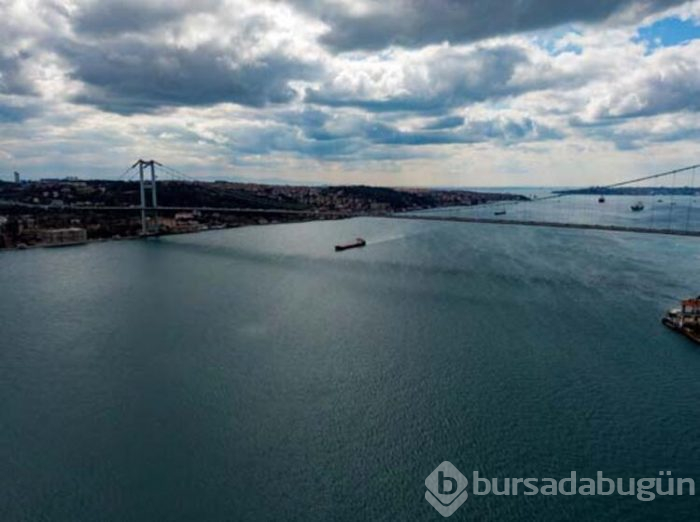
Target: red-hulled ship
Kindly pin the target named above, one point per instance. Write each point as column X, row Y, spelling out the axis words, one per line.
column 359, row 242
column 685, row 319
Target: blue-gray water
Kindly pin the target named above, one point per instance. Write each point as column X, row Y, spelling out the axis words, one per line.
column 255, row 374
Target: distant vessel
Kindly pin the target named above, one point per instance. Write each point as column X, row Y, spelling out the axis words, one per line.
column 686, row 319
column 601, row 199
column 499, row 213
column 637, row 207
column 359, row 242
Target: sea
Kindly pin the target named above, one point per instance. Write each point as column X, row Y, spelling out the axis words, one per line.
column 255, row 374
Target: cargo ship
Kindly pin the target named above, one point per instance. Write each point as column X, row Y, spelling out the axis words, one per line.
column 686, row 319
column 359, row 242
column 637, row 207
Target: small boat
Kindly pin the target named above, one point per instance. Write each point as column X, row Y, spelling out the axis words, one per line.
column 499, row 213
column 601, row 199
column 686, row 319
column 637, row 207
column 359, row 242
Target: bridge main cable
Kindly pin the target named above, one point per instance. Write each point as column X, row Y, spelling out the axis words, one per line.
column 645, row 178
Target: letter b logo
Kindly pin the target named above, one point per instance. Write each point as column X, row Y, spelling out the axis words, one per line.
column 446, row 489
column 441, row 484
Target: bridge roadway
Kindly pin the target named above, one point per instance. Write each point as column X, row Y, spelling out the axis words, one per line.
column 418, row 217
column 555, row 224
column 138, row 208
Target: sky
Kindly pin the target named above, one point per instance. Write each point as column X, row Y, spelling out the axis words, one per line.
column 391, row 92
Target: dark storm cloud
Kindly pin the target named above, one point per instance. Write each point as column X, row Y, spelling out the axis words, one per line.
column 626, row 138
column 347, row 136
column 414, row 23
column 389, row 135
column 503, row 130
column 446, row 122
column 109, row 17
column 132, row 76
column 12, row 81
column 286, row 138
column 18, row 100
column 324, row 136
column 305, row 119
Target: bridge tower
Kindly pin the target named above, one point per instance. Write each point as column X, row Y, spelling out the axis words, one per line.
column 143, row 185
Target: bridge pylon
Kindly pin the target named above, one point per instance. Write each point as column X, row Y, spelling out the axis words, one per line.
column 143, row 185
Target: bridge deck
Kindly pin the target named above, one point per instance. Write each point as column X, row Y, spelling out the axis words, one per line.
column 330, row 214
column 555, row 224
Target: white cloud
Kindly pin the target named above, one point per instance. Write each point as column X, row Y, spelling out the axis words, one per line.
column 253, row 87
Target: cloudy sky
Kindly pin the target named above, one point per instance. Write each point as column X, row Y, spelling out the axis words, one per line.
column 390, row 92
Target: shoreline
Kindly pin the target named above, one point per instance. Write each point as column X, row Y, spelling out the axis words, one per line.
column 171, row 233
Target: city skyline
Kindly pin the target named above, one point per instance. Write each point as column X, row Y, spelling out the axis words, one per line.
column 337, row 92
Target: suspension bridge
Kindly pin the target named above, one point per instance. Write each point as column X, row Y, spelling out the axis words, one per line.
column 663, row 203
column 149, row 208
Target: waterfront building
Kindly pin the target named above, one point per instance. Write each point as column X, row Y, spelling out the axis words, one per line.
column 63, row 236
